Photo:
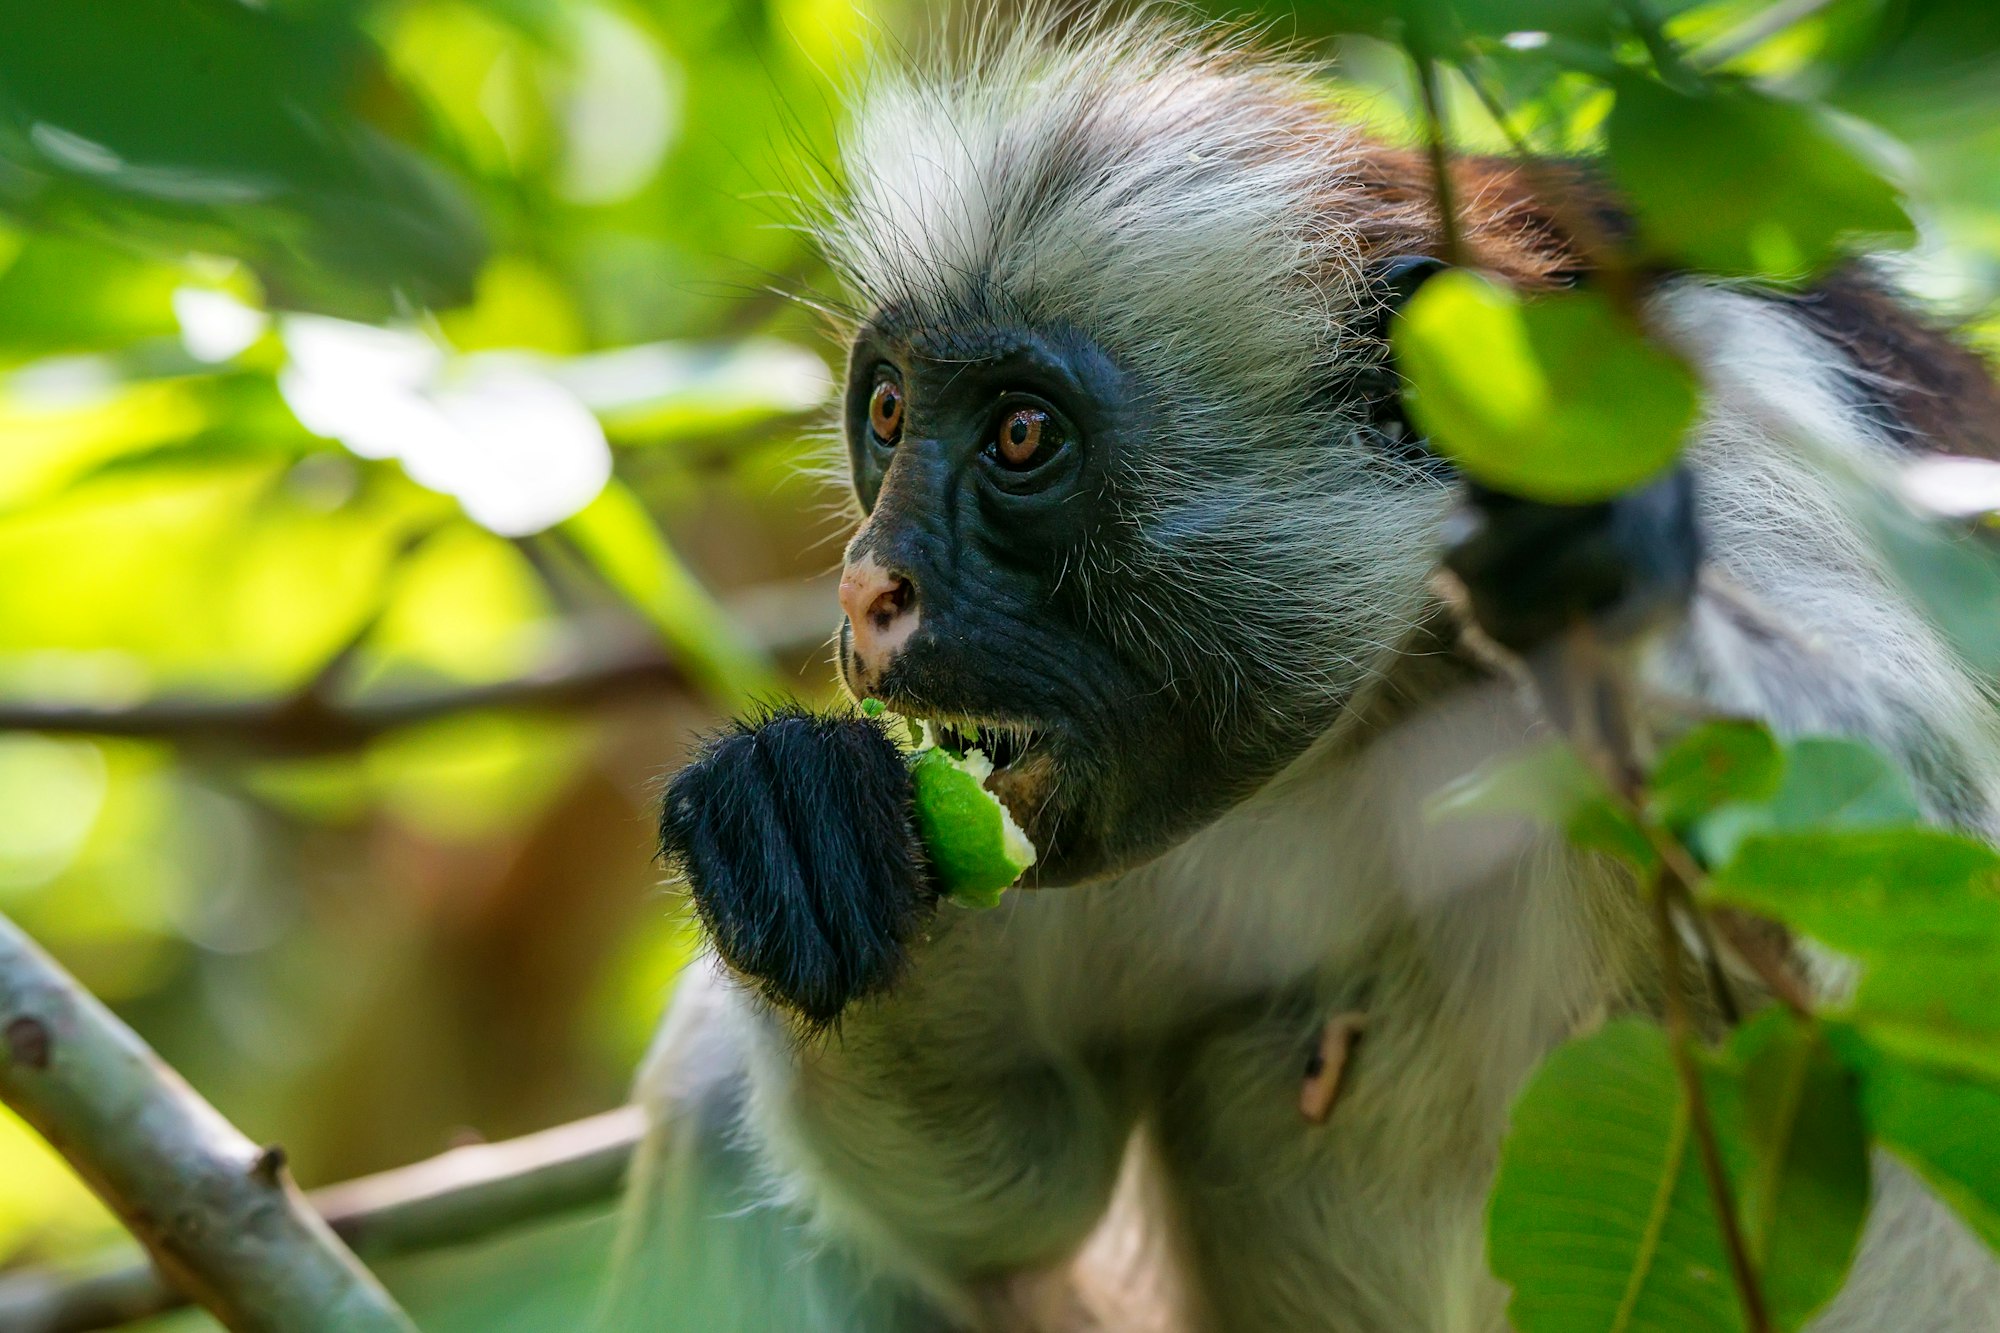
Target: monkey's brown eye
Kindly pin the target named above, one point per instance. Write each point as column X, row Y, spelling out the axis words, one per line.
column 1026, row 437
column 885, row 411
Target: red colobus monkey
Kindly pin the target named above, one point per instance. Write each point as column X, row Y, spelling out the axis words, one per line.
column 1140, row 508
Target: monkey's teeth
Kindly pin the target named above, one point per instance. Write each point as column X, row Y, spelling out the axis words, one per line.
column 1002, row 743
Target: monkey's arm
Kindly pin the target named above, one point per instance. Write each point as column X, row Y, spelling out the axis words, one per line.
column 706, row 1245
column 884, row 1061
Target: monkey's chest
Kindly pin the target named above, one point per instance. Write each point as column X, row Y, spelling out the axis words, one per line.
column 1329, row 1152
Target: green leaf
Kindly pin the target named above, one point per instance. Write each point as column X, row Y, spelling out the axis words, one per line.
column 1919, row 907
column 1941, row 1009
column 1942, row 1123
column 1805, row 1196
column 1602, row 1218
column 1715, row 763
column 1738, row 183
column 1599, row 1217
column 1839, row 782
column 1437, row 23
column 1602, row 826
column 1929, row 66
column 1953, row 575
column 1548, row 783
column 1555, row 398
column 1872, row 893
column 1545, row 781
column 61, row 294
column 619, row 537
column 1829, row 782
column 243, row 141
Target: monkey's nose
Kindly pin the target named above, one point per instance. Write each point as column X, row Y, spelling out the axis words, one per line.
column 881, row 607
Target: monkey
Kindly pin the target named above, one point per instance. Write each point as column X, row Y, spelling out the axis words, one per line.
column 1139, row 510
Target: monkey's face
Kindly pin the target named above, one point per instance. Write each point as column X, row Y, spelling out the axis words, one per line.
column 1114, row 419
column 1029, row 570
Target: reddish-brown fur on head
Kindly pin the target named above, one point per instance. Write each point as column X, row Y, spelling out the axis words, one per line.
column 1545, row 224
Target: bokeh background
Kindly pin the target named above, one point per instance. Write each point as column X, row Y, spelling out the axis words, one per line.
column 405, row 449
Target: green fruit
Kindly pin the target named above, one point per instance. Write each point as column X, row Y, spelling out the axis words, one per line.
column 976, row 848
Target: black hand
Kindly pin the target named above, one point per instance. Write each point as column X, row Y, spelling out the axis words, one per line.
column 795, row 836
column 1531, row 570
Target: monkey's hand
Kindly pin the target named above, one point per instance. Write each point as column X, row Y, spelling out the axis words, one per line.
column 796, row 838
column 1531, row 570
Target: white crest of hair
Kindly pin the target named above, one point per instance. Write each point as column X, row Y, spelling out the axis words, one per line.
column 1188, row 204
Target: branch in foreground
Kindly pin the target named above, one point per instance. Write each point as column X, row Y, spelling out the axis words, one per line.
column 218, row 1214
column 465, row 1195
column 613, row 663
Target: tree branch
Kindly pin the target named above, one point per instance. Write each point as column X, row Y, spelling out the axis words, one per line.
column 465, row 1195
column 617, row 663
column 219, row 1215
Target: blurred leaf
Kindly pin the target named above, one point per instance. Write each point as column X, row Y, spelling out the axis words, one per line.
column 64, row 294
column 1839, row 782
column 1806, row 1194
column 477, row 776
column 1555, row 398
column 1739, row 183
column 1435, row 24
column 1828, row 782
column 1547, row 782
column 1928, row 66
column 1715, row 763
column 43, row 1206
column 60, row 440
column 1920, row 907
column 1940, row 1122
column 621, row 540
column 519, row 305
column 542, row 1279
column 467, row 606
column 53, row 790
column 110, row 909
column 1600, row 1218
column 244, row 142
column 1940, row 1008
column 206, row 567
column 1871, row 893
column 1953, row 575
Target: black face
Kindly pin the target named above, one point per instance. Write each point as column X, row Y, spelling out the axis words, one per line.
column 988, row 590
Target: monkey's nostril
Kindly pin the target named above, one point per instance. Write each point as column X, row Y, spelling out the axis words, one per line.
column 882, row 611
column 891, row 602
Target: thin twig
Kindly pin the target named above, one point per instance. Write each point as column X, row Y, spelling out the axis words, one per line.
column 1680, row 1042
column 1496, row 111
column 613, row 663
column 1599, row 706
column 1437, row 140
column 465, row 1195
column 1719, row 984
column 1672, row 67
column 219, row 1215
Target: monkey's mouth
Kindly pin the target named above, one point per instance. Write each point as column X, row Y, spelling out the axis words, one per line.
column 1025, row 766
column 1002, row 742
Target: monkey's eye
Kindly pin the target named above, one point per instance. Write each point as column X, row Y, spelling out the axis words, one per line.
column 1026, row 438
column 885, row 410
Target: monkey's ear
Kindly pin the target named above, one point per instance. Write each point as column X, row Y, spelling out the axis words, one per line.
column 1394, row 281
